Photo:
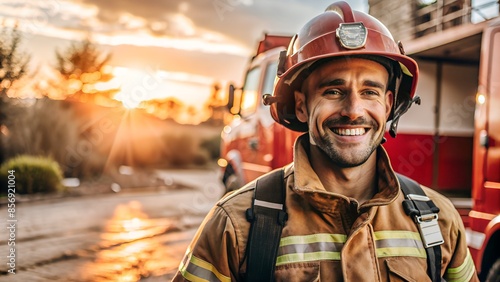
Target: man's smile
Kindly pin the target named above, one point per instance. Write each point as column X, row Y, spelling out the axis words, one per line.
column 349, row 131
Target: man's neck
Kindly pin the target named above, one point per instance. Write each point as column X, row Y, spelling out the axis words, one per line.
column 358, row 182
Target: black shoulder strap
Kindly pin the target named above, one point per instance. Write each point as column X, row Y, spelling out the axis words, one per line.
column 424, row 212
column 267, row 217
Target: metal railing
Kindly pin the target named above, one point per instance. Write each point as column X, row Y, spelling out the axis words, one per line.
column 435, row 16
column 443, row 14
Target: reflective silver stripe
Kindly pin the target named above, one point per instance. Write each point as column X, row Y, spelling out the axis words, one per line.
column 196, row 269
column 310, row 248
column 268, row 204
column 397, row 243
column 201, row 273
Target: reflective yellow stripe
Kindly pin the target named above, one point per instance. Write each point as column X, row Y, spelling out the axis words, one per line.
column 197, row 269
column 396, row 234
column 461, row 267
column 306, row 257
column 314, row 238
column 401, row 252
column 462, row 273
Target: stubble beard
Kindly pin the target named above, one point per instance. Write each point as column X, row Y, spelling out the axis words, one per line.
column 341, row 158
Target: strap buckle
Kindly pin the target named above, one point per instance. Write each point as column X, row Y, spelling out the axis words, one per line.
column 427, row 224
column 429, row 230
column 415, row 197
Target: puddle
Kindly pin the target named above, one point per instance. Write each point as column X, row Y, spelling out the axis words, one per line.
column 130, row 247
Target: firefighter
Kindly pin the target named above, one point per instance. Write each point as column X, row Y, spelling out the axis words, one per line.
column 341, row 80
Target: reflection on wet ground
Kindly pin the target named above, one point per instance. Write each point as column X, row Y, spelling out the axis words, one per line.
column 130, row 248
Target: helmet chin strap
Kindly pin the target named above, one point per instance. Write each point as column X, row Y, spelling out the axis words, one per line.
column 399, row 112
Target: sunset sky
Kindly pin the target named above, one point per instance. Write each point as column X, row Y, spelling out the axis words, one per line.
column 184, row 46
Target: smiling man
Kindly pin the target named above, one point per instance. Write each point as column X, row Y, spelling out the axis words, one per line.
column 339, row 212
column 345, row 103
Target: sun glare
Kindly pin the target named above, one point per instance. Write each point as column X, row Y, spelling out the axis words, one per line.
column 134, row 86
column 139, row 88
column 130, row 103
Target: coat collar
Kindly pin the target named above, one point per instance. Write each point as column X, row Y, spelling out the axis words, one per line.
column 307, row 184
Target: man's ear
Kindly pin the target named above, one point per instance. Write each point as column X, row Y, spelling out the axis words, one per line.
column 389, row 101
column 300, row 106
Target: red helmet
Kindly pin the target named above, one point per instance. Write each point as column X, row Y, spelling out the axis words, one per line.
column 340, row 31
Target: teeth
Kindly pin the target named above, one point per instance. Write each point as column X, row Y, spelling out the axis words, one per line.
column 349, row 132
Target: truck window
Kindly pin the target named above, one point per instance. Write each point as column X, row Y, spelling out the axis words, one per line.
column 250, row 92
column 271, row 70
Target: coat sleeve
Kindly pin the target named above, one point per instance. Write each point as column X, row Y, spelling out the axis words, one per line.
column 461, row 266
column 457, row 260
column 213, row 253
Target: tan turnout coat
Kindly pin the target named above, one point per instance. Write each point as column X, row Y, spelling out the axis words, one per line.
column 329, row 237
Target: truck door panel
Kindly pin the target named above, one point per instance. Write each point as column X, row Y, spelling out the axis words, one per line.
column 493, row 123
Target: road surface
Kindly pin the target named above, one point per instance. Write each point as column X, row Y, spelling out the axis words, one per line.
column 138, row 235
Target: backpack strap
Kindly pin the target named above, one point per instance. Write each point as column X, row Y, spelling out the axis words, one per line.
column 267, row 217
column 425, row 214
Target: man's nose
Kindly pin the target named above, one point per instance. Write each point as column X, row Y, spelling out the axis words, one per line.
column 352, row 107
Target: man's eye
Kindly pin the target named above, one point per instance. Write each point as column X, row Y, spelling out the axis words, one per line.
column 332, row 92
column 371, row 93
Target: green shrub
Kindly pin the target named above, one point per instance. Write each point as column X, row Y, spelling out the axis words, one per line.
column 34, row 174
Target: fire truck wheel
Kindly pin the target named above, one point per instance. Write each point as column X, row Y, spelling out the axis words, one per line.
column 494, row 273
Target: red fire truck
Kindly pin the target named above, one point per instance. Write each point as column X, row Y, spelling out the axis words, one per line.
column 450, row 143
column 484, row 219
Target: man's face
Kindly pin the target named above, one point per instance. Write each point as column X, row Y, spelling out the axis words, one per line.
column 346, row 104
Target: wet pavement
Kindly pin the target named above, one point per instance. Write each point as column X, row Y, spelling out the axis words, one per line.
column 138, row 235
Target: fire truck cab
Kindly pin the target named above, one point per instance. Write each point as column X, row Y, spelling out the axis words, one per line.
column 253, row 144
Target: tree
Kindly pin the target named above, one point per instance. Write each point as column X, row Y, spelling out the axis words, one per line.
column 82, row 66
column 216, row 106
column 13, row 66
